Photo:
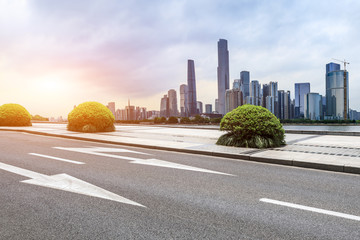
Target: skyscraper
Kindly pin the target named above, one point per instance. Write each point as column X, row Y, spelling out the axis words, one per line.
column 245, row 83
column 255, row 92
column 313, row 106
column 301, row 89
column 173, row 109
column 191, row 88
column 275, row 95
column 222, row 73
column 111, row 107
column 208, row 108
column 164, row 106
column 184, row 106
column 337, row 92
column 199, row 106
column 265, row 93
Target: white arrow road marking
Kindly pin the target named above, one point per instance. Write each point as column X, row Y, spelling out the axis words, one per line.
column 311, row 209
column 152, row 162
column 66, row 183
column 161, row 163
column 56, row 158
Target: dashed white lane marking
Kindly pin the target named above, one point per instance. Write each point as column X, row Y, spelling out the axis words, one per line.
column 66, row 182
column 56, row 158
column 311, row 209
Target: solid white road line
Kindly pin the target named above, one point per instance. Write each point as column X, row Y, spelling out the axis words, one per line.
column 311, row 209
column 56, row 158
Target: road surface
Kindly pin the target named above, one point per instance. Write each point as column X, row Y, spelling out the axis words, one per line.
column 54, row 188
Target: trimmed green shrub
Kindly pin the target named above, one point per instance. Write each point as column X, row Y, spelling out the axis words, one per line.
column 12, row 114
column 173, row 119
column 91, row 117
column 251, row 126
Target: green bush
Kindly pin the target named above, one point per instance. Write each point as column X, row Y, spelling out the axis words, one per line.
column 14, row 115
column 173, row 119
column 91, row 117
column 251, row 126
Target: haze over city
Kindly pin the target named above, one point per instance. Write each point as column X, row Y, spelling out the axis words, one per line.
column 57, row 54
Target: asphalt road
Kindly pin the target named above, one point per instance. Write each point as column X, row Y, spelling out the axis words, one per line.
column 47, row 188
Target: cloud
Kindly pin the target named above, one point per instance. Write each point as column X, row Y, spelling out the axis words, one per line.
column 114, row 50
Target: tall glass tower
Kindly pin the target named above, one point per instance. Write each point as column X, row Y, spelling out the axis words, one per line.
column 191, row 88
column 222, row 73
column 301, row 89
column 337, row 92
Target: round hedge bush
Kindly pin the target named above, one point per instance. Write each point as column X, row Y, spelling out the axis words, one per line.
column 251, row 126
column 91, row 117
column 12, row 114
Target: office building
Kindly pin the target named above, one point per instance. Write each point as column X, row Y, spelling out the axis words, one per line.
column 255, row 93
column 173, row 109
column 275, row 95
column 222, row 73
column 191, row 83
column 232, row 99
column 111, row 107
column 164, row 106
column 270, row 104
column 217, row 106
column 208, row 108
column 245, row 83
column 301, row 89
column 265, row 94
column 337, row 92
column 184, row 106
column 313, row 106
column 199, row 106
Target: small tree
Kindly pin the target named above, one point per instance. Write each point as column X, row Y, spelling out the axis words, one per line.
column 251, row 126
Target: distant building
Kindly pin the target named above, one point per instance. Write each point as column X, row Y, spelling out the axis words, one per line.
column 313, row 106
column 270, row 104
column 216, row 106
column 222, row 73
column 232, row 99
column 337, row 92
column 164, row 106
column 199, row 106
column 191, row 83
column 184, row 106
column 173, row 109
column 265, row 94
column 275, row 95
column 255, row 92
column 111, row 107
column 301, row 89
column 245, row 84
column 208, row 108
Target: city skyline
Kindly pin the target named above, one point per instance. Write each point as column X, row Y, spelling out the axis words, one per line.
column 110, row 52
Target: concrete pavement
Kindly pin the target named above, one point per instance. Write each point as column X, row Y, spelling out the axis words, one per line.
column 325, row 152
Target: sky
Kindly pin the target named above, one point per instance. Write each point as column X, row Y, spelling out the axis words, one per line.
column 57, row 54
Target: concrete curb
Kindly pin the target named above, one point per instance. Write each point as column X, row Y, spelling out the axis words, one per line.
column 245, row 157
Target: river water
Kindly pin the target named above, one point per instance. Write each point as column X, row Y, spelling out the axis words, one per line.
column 340, row 128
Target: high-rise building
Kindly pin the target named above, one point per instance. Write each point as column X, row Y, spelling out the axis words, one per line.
column 281, row 105
column 313, row 106
column 270, row 104
column 265, row 93
column 199, row 106
column 275, row 95
column 236, row 84
column 173, row 109
column 191, row 82
column 255, row 92
column 184, row 106
column 164, row 106
column 208, row 108
column 222, row 73
column 301, row 89
column 245, row 84
column 287, row 105
column 337, row 92
column 216, row 106
column 232, row 99
column 111, row 107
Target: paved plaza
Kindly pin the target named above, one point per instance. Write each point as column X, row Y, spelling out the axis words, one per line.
column 327, row 152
